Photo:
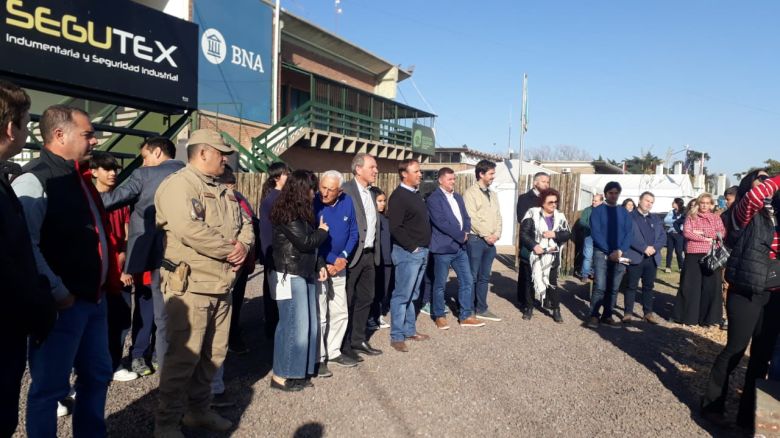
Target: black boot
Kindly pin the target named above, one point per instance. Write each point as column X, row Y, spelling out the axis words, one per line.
column 557, row 316
column 528, row 313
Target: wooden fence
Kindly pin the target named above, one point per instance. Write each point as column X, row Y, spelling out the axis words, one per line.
column 250, row 185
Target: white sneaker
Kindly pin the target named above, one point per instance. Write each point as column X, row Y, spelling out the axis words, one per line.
column 123, row 375
column 62, row 410
column 382, row 323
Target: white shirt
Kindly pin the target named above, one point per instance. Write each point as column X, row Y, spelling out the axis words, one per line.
column 368, row 206
column 454, row 206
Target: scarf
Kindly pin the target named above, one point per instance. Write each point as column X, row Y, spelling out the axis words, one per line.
column 542, row 264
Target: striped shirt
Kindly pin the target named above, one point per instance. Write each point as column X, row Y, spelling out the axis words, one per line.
column 753, row 202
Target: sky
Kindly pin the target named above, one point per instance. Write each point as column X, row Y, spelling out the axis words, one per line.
column 614, row 78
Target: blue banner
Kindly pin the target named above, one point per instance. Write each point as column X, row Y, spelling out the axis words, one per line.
column 234, row 64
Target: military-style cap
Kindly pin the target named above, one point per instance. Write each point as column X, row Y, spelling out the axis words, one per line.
column 211, row 138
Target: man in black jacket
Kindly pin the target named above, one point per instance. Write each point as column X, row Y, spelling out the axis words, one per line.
column 411, row 230
column 525, row 202
column 28, row 308
column 67, row 226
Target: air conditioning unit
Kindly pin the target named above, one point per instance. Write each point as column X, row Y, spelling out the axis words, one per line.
column 566, row 170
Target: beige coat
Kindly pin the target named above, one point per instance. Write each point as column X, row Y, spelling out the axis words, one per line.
column 485, row 215
column 200, row 218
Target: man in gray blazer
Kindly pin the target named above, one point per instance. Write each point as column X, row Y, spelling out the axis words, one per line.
column 360, row 272
column 145, row 244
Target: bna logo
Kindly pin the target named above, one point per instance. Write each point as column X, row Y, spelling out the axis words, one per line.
column 213, row 45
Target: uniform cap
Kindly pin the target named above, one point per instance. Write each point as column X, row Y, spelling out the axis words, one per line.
column 211, row 138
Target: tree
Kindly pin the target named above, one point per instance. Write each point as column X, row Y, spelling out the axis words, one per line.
column 644, row 164
column 558, row 152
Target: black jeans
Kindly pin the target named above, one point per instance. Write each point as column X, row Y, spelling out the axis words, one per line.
column 675, row 243
column 11, row 370
column 118, row 322
column 646, row 271
column 749, row 317
column 143, row 323
column 360, row 294
column 383, row 286
column 239, row 290
column 270, row 308
column 527, row 298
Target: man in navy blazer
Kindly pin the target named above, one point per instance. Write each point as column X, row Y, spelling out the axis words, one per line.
column 450, row 226
column 647, row 239
column 145, row 243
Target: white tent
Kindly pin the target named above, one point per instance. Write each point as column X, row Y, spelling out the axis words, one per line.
column 664, row 187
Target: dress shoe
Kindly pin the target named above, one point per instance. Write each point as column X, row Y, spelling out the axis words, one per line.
column 418, row 337
column 289, row 385
column 399, row 346
column 528, row 314
column 352, row 355
column 441, row 323
column 557, row 316
column 366, row 348
column 471, row 321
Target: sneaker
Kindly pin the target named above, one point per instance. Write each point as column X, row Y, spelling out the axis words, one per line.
column 207, row 420
column 289, row 385
column 123, row 375
column 487, row 315
column 441, row 323
column 652, row 318
column 155, row 364
column 139, row 367
column 426, row 309
column 382, row 323
column 238, row 346
column 627, row 318
column 471, row 321
column 724, row 325
column 668, row 270
column 323, row 371
column 222, row 401
column 344, row 361
column 593, row 322
column 611, row 321
column 62, row 409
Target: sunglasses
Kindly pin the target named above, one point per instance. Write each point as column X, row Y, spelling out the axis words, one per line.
column 763, row 178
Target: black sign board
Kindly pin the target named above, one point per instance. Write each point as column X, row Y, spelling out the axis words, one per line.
column 118, row 50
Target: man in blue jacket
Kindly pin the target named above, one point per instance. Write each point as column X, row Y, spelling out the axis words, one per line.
column 337, row 210
column 450, row 226
column 611, row 229
column 145, row 247
column 648, row 237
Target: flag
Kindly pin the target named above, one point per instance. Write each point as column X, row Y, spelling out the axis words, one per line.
column 524, row 109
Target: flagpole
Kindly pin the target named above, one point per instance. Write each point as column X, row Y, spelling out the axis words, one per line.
column 523, row 127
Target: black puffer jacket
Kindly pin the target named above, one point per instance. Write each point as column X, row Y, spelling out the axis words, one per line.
column 295, row 248
column 748, row 264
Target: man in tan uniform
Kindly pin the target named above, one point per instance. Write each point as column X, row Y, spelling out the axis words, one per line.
column 207, row 238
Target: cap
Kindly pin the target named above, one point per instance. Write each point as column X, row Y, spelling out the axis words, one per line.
column 211, row 138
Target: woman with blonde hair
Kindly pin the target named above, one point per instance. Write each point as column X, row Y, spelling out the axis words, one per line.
column 699, row 299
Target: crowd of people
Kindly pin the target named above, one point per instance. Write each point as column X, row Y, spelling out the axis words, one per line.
column 165, row 256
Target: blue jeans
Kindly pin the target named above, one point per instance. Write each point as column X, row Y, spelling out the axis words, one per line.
column 297, row 333
column 409, row 271
column 441, row 269
column 605, row 287
column 481, row 256
column 587, row 256
column 79, row 341
column 646, row 271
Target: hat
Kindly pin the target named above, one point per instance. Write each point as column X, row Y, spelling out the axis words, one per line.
column 211, row 138
column 613, row 185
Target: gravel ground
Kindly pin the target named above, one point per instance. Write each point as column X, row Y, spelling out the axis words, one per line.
column 509, row 378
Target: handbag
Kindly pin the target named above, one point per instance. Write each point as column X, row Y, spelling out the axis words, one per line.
column 717, row 257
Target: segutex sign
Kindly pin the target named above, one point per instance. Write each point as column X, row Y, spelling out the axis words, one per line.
column 116, row 47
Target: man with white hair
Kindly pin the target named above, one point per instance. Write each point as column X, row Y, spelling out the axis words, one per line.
column 337, row 210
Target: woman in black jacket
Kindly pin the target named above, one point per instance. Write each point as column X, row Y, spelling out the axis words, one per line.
column 293, row 280
column 752, row 305
column 543, row 232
